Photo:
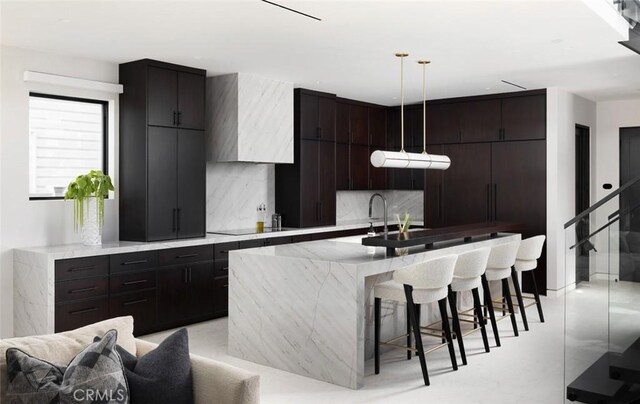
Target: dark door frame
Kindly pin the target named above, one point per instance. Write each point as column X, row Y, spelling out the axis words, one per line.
column 583, row 199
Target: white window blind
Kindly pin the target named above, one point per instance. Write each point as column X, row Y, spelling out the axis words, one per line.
column 66, row 139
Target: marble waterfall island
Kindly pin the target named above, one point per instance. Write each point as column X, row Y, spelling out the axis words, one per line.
column 307, row 308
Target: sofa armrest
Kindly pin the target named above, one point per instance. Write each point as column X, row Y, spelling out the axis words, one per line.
column 217, row 382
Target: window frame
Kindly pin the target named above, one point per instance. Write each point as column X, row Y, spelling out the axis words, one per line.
column 105, row 133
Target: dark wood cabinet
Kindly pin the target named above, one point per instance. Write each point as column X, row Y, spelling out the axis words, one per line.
column 173, row 298
column 377, row 176
column 343, row 176
column 343, row 127
column 201, row 284
column 359, row 167
column 378, row 127
column 359, row 124
column 443, row 123
column 524, row 117
column 162, row 155
column 176, row 98
column 480, row 121
column 433, row 192
column 467, row 184
column 306, row 189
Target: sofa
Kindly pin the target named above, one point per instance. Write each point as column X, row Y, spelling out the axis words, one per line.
column 213, row 382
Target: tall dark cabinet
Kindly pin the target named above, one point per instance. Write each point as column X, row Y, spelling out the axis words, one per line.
column 306, row 189
column 162, row 151
column 498, row 164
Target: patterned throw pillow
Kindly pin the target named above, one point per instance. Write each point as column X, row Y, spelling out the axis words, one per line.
column 95, row 375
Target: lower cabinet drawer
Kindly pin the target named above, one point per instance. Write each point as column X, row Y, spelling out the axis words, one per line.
column 78, row 314
column 140, row 305
column 221, row 293
column 221, row 268
column 81, row 289
column 132, row 282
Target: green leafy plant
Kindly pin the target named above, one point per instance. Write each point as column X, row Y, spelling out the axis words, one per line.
column 93, row 184
column 403, row 225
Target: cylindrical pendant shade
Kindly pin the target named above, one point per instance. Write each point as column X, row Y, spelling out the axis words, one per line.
column 390, row 159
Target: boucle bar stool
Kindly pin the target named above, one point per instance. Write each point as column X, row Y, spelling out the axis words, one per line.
column 527, row 261
column 467, row 276
column 501, row 259
column 421, row 283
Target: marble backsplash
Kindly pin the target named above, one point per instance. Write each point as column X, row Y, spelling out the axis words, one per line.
column 234, row 190
column 354, row 205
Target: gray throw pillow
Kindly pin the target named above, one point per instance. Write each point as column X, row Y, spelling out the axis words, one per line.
column 95, row 375
column 162, row 376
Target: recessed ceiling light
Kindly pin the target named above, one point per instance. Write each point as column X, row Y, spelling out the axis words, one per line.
column 317, row 82
column 64, row 20
column 197, row 57
column 487, row 88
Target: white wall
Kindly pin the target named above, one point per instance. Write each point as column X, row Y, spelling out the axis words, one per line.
column 33, row 223
column 564, row 111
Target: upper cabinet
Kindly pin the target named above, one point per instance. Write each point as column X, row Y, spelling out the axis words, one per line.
column 513, row 116
column 250, row 119
column 162, row 153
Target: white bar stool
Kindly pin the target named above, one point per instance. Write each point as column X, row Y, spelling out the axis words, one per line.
column 527, row 261
column 467, row 276
column 501, row 259
column 421, row 283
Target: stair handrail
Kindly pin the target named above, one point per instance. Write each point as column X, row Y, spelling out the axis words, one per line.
column 602, row 201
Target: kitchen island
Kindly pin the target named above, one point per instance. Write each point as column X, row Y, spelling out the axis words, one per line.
column 307, row 308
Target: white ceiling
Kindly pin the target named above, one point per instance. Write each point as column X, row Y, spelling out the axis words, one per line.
column 472, row 44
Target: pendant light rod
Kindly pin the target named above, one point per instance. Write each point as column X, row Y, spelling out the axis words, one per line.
column 424, row 64
column 402, row 55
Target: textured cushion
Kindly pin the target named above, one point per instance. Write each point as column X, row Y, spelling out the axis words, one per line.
column 62, row 347
column 464, row 284
column 496, row 274
column 162, row 375
column 528, row 265
column 392, row 290
column 95, row 375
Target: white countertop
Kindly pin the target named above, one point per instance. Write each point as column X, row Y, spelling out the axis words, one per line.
column 121, row 247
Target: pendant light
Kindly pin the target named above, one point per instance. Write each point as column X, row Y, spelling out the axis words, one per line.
column 402, row 159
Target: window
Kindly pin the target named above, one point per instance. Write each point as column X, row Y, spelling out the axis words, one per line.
column 67, row 137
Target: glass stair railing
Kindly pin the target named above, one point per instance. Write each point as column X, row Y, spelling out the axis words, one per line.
column 602, row 301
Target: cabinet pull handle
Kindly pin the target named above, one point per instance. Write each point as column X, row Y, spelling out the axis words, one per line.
column 178, row 219
column 73, row 313
column 81, row 268
column 190, row 275
column 174, row 220
column 135, row 282
column 135, row 302
column 187, row 255
column 184, row 274
column 134, row 262
column 440, row 201
column 225, row 269
column 495, row 202
column 83, row 290
column 318, row 133
column 175, row 114
column 488, row 202
column 321, row 215
column 179, row 117
column 225, row 286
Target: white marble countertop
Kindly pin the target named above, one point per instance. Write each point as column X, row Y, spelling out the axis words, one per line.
column 120, row 247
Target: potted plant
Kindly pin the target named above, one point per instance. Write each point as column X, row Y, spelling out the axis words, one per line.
column 89, row 189
column 403, row 226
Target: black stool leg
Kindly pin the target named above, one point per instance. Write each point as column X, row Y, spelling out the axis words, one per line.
column 408, row 291
column 489, row 307
column 478, row 306
column 516, row 286
column 537, row 296
column 408, row 333
column 447, row 332
column 505, row 285
column 376, row 348
column 456, row 324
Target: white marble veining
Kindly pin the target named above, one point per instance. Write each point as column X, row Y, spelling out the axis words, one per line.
column 354, row 205
column 251, row 119
column 234, row 190
column 306, row 308
column 34, row 269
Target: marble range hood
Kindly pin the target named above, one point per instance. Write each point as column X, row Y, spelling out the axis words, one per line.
column 249, row 119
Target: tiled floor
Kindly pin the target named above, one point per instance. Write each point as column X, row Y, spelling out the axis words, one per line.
column 527, row 369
